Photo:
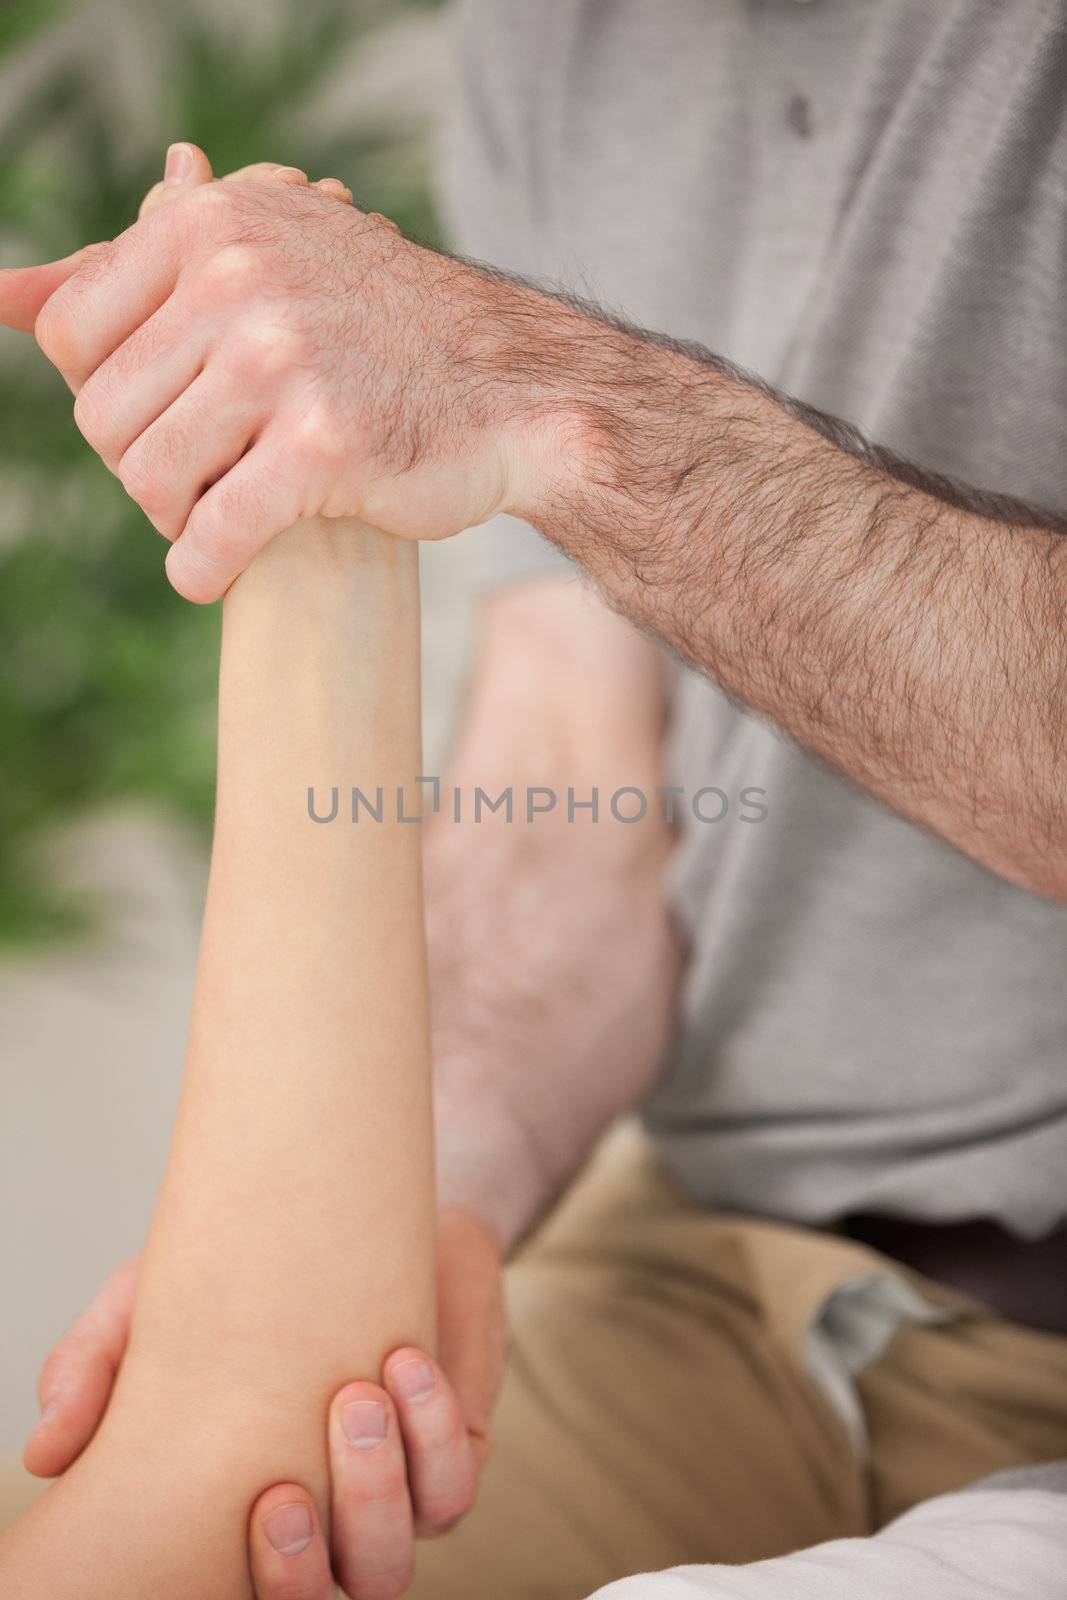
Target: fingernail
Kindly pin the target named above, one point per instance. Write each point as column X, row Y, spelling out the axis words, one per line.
column 178, row 165
column 364, row 1423
column 413, row 1378
column 289, row 1529
column 48, row 1415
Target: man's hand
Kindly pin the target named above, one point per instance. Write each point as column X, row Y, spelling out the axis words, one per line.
column 405, row 1453
column 253, row 354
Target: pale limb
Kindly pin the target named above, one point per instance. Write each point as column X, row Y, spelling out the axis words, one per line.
column 292, row 1242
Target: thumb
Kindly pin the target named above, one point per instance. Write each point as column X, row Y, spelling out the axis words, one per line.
column 187, row 167
column 24, row 290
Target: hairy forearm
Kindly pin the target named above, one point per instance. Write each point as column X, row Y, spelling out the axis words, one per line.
column 906, row 629
column 551, row 960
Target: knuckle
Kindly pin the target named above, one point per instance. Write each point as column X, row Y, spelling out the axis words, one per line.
column 218, row 199
column 52, row 328
column 92, row 415
column 231, row 273
column 449, row 1507
column 192, row 573
column 231, row 504
column 388, row 1481
column 442, row 1429
column 316, row 437
column 207, row 535
column 56, row 328
column 165, row 450
column 141, row 482
column 261, row 353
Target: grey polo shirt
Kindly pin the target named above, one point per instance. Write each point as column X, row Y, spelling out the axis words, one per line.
column 865, row 202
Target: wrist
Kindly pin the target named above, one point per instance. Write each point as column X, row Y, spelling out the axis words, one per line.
column 559, row 368
column 619, row 445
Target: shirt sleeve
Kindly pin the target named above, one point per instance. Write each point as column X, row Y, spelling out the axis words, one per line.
column 493, row 208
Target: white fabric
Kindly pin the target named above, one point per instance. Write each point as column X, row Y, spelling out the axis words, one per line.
column 985, row 1543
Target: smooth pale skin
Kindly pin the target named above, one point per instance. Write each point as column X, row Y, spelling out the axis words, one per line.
column 293, row 1239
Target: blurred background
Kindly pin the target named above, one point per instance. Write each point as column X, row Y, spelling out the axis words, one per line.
column 107, row 679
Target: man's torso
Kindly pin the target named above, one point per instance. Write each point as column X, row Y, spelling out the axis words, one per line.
column 865, row 202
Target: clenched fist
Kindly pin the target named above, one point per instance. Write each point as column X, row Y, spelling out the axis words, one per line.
column 250, row 354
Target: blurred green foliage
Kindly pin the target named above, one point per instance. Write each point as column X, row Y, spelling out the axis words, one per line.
column 107, row 679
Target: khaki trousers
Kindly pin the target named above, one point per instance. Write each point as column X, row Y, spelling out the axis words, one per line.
column 659, row 1407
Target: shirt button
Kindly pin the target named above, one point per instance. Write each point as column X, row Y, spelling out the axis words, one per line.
column 798, row 115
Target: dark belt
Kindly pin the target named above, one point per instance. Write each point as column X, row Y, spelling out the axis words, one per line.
column 1023, row 1279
